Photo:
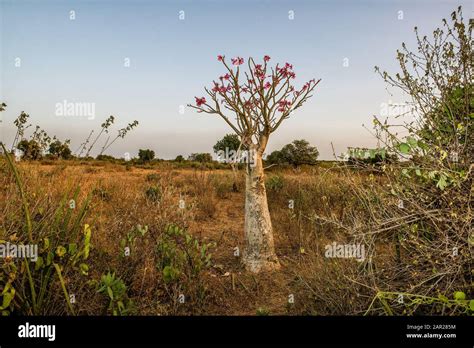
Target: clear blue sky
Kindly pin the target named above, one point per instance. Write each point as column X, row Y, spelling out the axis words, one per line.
column 171, row 60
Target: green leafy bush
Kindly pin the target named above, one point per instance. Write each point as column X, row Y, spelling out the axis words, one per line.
column 116, row 292
column 274, row 183
column 182, row 259
column 153, row 193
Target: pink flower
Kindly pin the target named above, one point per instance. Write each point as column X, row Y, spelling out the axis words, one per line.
column 267, row 85
column 220, row 58
column 237, row 61
column 306, row 86
column 283, row 105
column 216, row 87
column 266, row 58
column 226, row 76
column 245, row 89
column 200, row 101
column 286, row 71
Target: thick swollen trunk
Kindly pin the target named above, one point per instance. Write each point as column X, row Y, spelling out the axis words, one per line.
column 259, row 254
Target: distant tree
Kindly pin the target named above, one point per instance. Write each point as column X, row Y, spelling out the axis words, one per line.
column 297, row 153
column 105, row 158
column 200, row 157
column 229, row 142
column 275, row 157
column 179, row 158
column 230, row 145
column 59, row 149
column 146, row 155
column 31, row 149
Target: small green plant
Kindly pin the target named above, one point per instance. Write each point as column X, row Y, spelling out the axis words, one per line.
column 401, row 303
column 262, row 311
column 116, row 291
column 182, row 259
column 223, row 189
column 128, row 242
column 274, row 183
column 153, row 193
column 181, row 255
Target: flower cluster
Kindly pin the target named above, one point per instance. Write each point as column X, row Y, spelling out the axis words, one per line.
column 221, row 88
column 259, row 72
column 284, row 105
column 237, row 61
column 227, row 83
column 308, row 84
column 224, row 77
column 287, row 71
column 200, row 101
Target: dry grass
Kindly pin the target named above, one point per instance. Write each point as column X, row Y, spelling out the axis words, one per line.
column 324, row 203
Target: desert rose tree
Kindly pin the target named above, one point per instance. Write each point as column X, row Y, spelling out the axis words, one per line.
column 254, row 102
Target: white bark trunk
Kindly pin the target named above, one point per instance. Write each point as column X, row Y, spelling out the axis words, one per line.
column 259, row 253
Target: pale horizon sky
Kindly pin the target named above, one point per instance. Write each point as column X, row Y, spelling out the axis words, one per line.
column 172, row 59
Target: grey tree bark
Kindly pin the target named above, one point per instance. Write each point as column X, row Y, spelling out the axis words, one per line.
column 259, row 253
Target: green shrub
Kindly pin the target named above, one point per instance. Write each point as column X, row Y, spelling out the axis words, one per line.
column 182, row 259
column 60, row 150
column 146, row 155
column 200, row 157
column 223, row 189
column 153, row 193
column 116, row 292
column 274, row 183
